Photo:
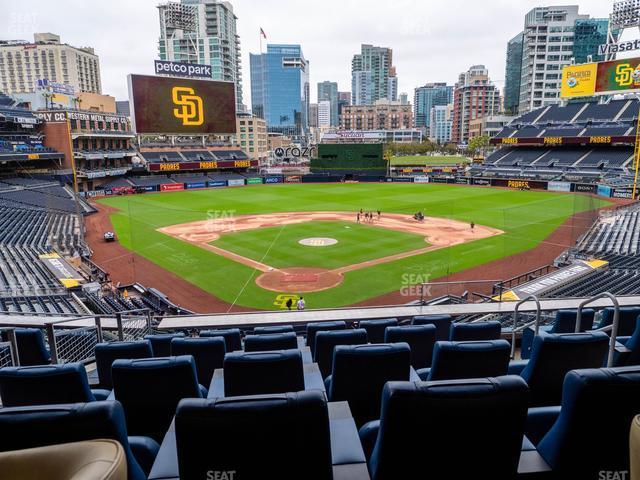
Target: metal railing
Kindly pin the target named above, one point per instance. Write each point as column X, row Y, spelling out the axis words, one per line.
column 614, row 323
column 515, row 320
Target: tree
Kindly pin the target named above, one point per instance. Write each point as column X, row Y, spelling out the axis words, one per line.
column 478, row 144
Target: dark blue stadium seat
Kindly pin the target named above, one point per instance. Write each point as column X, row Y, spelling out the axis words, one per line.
column 231, row 337
column 461, row 332
column 46, row 385
column 473, row 359
column 442, row 323
column 29, row 427
column 161, row 343
column 270, row 341
column 107, row 353
column 208, row 354
column 360, row 372
column 627, row 320
column 448, row 429
column 313, row 328
column 150, row 389
column 273, row 329
column 420, row 338
column 375, row 328
column 630, row 354
column 255, row 373
column 565, row 322
column 552, row 356
column 326, row 341
column 31, row 347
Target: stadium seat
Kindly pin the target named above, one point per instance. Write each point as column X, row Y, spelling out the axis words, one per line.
column 475, row 359
column 626, row 323
column 286, row 436
column 31, row 347
column 442, row 323
column 273, row 329
column 326, row 341
column 270, row 341
column 634, row 448
column 598, row 406
column 149, row 390
column 313, row 328
column 208, row 354
column 375, row 328
column 30, row 427
column 46, row 385
column 451, row 429
column 360, row 372
column 161, row 343
column 231, row 337
column 565, row 322
column 552, row 356
column 421, row 340
column 107, row 353
column 461, row 332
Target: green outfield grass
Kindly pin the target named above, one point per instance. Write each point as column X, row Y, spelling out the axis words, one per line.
column 278, row 246
column 526, row 217
column 428, row 160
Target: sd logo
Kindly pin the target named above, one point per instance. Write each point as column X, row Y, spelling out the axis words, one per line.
column 191, row 110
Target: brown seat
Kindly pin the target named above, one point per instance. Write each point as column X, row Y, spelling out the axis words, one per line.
column 634, row 448
column 89, row 460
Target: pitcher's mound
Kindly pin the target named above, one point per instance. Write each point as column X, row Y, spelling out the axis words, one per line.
column 299, row 280
column 317, row 241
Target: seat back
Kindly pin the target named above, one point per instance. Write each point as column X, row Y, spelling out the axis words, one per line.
column 553, row 355
column 255, row 373
column 598, row 406
column 208, row 354
column 326, row 341
column 627, row 321
column 29, row 427
column 360, row 372
column 375, row 328
column 270, row 341
column 273, row 329
column 634, row 448
column 107, row 353
column 478, row 359
column 313, row 328
column 161, row 343
column 421, row 340
column 262, row 436
column 565, row 321
column 461, row 332
column 232, row 338
column 467, row 429
column 442, row 323
column 44, row 385
column 150, row 389
column 31, row 347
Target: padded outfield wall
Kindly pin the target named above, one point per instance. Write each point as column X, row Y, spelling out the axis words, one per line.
column 349, row 159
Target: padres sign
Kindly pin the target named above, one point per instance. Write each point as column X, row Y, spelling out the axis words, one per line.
column 190, row 111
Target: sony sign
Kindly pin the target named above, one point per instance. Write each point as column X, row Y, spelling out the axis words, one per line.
column 611, row 48
column 182, row 69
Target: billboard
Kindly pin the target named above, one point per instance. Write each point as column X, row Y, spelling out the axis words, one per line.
column 602, row 78
column 364, row 157
column 181, row 106
column 579, row 80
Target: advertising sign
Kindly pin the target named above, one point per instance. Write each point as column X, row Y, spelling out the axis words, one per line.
column 604, row 191
column 585, row 188
column 421, row 179
column 217, row 183
column 481, row 181
column 559, row 186
column 254, row 181
column 273, row 180
column 622, row 192
column 182, row 69
column 601, row 78
column 170, row 187
column 579, row 80
column 190, row 186
column 235, row 182
column 292, row 179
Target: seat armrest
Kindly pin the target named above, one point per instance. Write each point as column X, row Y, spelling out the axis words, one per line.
column 165, row 466
column 145, row 450
column 306, row 355
column 533, row 466
column 327, row 386
column 345, row 442
column 312, row 377
column 622, row 339
column 516, row 367
column 101, row 393
column 539, row 422
column 203, row 391
column 423, row 373
column 368, row 436
column 216, row 388
column 413, row 375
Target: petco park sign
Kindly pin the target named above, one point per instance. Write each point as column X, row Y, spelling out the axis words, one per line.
column 182, row 69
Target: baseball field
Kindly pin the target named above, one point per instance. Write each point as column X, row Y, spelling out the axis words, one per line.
column 255, row 246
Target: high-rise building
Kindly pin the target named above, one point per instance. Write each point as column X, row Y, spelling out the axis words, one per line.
column 313, row 115
column 383, row 115
column 513, row 73
column 403, row 98
column 588, row 34
column 474, row 97
column 373, row 76
column 429, row 96
column 202, row 31
column 329, row 91
column 440, row 124
column 324, row 114
column 251, row 136
column 344, row 98
column 280, row 89
column 45, row 61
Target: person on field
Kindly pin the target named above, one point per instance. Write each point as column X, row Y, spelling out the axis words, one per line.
column 379, row 213
column 472, row 226
column 301, row 304
column 358, row 217
column 289, row 303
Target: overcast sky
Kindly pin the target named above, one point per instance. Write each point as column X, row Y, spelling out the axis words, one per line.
column 432, row 40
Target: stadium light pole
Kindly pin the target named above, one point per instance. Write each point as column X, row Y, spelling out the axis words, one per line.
column 636, row 159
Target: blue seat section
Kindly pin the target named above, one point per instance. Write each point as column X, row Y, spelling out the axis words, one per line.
column 631, row 353
column 107, row 353
column 208, row 354
column 326, row 341
column 30, row 427
column 476, row 359
column 466, row 429
column 420, row 338
column 565, row 322
column 375, row 328
column 627, row 320
column 31, row 347
column 231, row 337
column 553, row 355
column 254, row 373
column 442, row 323
column 360, row 372
column 273, row 329
column 161, row 343
column 270, row 341
column 313, row 328
column 475, row 331
column 597, row 408
column 150, row 389
column 259, row 437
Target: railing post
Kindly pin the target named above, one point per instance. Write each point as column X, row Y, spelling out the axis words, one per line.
column 614, row 325
column 15, row 355
column 149, row 322
column 515, row 321
column 119, row 324
column 98, row 329
column 51, row 336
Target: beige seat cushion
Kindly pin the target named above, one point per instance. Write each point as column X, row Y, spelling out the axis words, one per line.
column 89, row 460
column 634, row 448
